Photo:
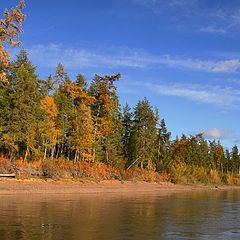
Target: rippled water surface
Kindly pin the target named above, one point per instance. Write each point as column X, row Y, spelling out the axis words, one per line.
column 196, row 215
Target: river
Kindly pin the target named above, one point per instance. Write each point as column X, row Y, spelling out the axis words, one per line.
column 189, row 215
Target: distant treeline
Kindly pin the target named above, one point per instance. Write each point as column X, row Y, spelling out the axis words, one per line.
column 73, row 120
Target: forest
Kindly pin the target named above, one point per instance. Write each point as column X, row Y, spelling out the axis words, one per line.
column 80, row 121
column 59, row 127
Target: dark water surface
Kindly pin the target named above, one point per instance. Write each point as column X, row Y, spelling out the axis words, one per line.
column 195, row 215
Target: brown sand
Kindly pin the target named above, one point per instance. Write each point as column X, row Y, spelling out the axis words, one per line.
column 38, row 186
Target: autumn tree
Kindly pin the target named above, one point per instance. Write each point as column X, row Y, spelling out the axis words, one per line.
column 104, row 110
column 81, row 138
column 49, row 132
column 10, row 30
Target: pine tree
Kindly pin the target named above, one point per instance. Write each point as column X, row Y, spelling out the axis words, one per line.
column 203, row 159
column 127, row 128
column 163, row 146
column 65, row 113
column 227, row 161
column 25, row 104
column 235, row 159
column 144, row 135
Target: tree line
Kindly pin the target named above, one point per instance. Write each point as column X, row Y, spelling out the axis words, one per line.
column 71, row 119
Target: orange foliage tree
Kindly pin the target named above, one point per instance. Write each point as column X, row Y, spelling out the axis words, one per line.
column 10, row 30
column 82, row 138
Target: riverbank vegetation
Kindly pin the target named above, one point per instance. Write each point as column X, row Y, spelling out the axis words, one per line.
column 59, row 127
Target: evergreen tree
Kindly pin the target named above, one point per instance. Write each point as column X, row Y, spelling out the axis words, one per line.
column 144, row 136
column 163, row 146
column 235, row 160
column 65, row 110
column 127, row 128
column 25, row 113
column 227, row 161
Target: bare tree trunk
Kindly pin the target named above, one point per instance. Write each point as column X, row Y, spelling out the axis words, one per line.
column 107, row 155
column 45, row 153
column 76, row 156
column 26, row 154
column 52, row 152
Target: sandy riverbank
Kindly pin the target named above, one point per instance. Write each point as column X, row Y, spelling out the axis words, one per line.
column 13, row 186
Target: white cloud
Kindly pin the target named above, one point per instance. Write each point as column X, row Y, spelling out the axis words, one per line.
column 214, row 30
column 215, row 133
column 50, row 55
column 194, row 13
column 164, row 4
column 225, row 97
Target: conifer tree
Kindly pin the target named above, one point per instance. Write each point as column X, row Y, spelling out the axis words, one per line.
column 144, row 135
column 235, row 159
column 227, row 161
column 25, row 104
column 127, row 128
column 163, row 146
column 65, row 113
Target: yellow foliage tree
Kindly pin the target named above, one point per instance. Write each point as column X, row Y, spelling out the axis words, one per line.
column 82, row 137
column 10, row 30
column 50, row 132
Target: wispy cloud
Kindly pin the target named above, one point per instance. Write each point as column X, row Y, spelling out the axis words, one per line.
column 219, row 134
column 213, row 30
column 72, row 58
column 225, row 97
column 221, row 17
column 162, row 4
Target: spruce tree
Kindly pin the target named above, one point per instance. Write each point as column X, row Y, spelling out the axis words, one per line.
column 163, row 146
column 144, row 135
column 25, row 104
column 127, row 128
column 235, row 159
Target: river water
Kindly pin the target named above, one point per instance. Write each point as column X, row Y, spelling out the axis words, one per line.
column 190, row 215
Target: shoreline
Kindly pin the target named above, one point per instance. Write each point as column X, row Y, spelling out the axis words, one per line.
column 39, row 186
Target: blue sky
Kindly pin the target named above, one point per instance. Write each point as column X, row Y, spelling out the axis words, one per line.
column 183, row 55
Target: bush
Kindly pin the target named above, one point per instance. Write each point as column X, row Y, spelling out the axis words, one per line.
column 50, row 169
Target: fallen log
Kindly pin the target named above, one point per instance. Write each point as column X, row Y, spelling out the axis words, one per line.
column 8, row 175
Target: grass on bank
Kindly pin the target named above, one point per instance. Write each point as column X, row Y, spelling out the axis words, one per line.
column 64, row 169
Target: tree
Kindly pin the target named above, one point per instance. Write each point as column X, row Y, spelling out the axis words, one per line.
column 163, row 146
column 24, row 99
column 81, row 138
column 10, row 30
column 104, row 111
column 49, row 131
column 127, row 128
column 65, row 106
column 144, row 136
column 235, row 159
column 227, row 162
